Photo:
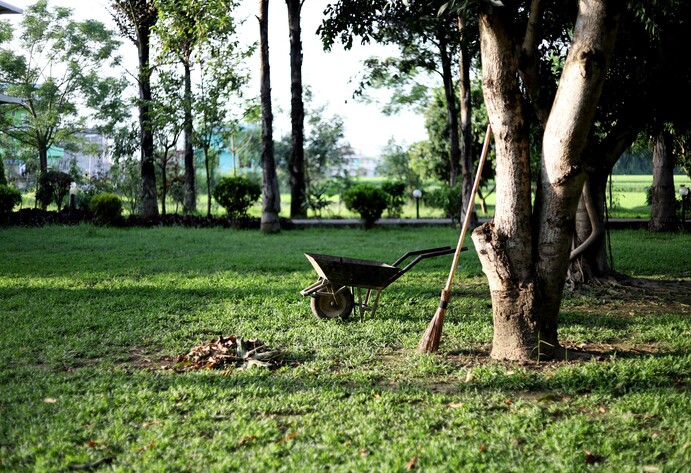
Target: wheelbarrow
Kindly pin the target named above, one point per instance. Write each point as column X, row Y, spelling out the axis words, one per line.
column 339, row 277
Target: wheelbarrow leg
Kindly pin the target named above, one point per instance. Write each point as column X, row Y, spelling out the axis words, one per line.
column 364, row 302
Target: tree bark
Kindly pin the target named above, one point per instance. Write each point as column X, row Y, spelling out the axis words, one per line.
column 592, row 263
column 149, row 203
column 451, row 112
column 466, row 150
column 296, row 162
column 525, row 254
column 190, row 200
column 663, row 216
column 271, row 198
column 42, row 158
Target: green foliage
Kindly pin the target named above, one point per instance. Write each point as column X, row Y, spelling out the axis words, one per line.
column 236, row 195
column 3, row 178
column 56, row 66
column 98, row 184
column 53, row 187
column 396, row 196
column 399, row 163
column 368, row 200
column 446, row 198
column 177, row 192
column 106, row 208
column 317, row 198
column 9, row 198
column 126, row 173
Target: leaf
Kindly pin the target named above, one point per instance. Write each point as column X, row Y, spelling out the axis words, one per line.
column 50, row 400
column 469, row 376
column 411, row 463
column 249, row 439
column 149, row 424
column 456, row 405
column 292, row 435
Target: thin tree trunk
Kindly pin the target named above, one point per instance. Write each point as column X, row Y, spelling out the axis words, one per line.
column 592, row 263
column 466, row 130
column 208, row 181
column 190, row 200
column 42, row 159
column 296, row 162
column 164, row 183
column 271, row 198
column 149, row 205
column 663, row 215
column 451, row 112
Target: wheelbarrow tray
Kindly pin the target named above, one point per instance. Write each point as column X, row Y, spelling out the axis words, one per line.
column 353, row 272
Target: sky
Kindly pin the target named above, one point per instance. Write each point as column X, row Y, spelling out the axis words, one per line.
column 327, row 74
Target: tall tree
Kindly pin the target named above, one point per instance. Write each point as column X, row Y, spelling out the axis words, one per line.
column 664, row 213
column 525, row 250
column 57, row 73
column 135, row 19
column 428, row 42
column 223, row 74
column 271, row 198
column 167, row 118
column 648, row 54
column 179, row 28
column 296, row 162
column 186, row 29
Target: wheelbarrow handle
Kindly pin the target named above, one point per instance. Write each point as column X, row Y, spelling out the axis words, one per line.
column 426, row 254
column 444, row 250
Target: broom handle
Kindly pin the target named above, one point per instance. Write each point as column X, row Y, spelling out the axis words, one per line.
column 469, row 211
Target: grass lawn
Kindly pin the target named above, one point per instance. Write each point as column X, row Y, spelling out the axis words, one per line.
column 92, row 320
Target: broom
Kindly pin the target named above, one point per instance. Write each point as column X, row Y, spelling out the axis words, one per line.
column 430, row 340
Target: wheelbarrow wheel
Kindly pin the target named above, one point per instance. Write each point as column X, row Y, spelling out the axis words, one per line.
column 331, row 306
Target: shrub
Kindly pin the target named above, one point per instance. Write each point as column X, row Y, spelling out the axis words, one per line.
column 9, row 198
column 317, row 199
column 446, row 198
column 236, row 195
column 367, row 200
column 106, row 208
column 395, row 191
column 53, row 187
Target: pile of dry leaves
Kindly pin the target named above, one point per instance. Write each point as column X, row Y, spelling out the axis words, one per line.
column 229, row 352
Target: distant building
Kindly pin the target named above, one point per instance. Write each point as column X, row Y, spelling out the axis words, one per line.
column 357, row 164
column 91, row 157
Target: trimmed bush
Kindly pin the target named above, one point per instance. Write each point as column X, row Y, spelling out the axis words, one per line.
column 53, row 187
column 446, row 198
column 9, row 198
column 106, row 208
column 236, row 195
column 368, row 200
column 396, row 197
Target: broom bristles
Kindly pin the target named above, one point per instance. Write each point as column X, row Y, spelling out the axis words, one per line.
column 429, row 343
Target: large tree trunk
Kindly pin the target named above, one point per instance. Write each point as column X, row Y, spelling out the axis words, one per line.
column 466, row 130
column 149, row 204
column 663, row 215
column 525, row 256
column 189, row 204
column 296, row 162
column 451, row 112
column 271, row 198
